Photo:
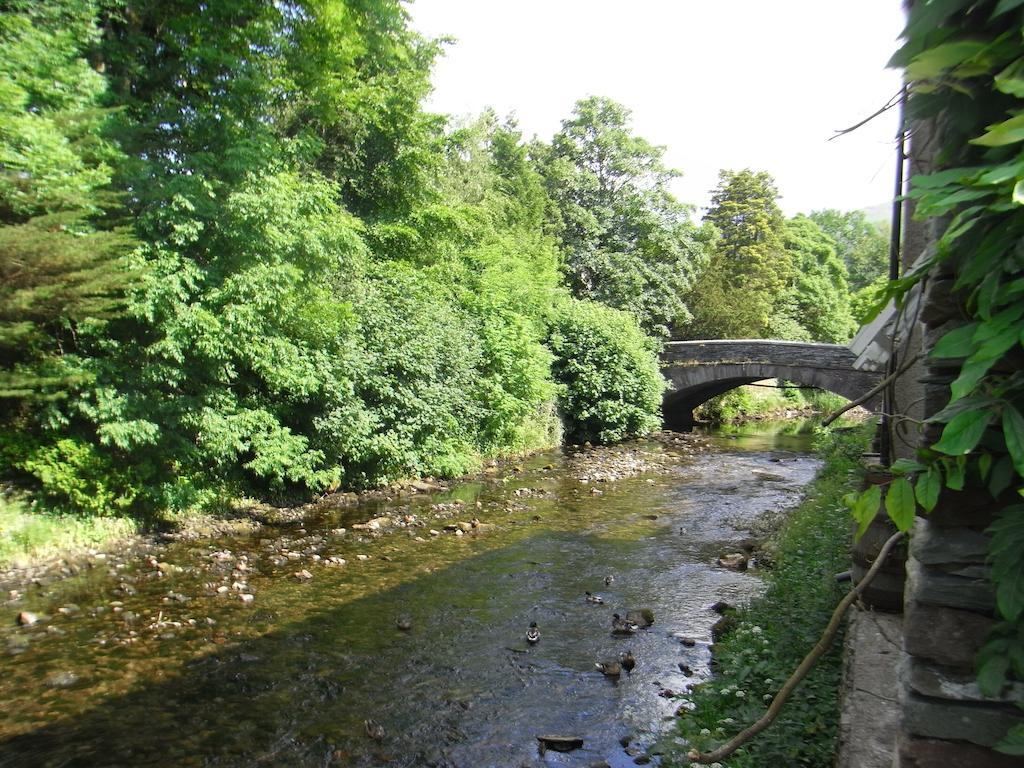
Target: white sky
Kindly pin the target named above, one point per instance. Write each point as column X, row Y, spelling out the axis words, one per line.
column 721, row 83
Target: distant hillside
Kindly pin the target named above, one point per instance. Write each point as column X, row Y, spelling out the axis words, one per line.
column 879, row 214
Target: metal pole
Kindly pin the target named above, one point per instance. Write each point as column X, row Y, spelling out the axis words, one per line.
column 895, row 239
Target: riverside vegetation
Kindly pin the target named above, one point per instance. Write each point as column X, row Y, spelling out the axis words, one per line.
column 769, row 637
column 238, row 259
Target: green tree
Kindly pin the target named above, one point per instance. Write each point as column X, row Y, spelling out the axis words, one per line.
column 626, row 241
column 611, row 384
column 736, row 295
column 234, row 366
column 817, row 298
column 60, row 263
column 862, row 246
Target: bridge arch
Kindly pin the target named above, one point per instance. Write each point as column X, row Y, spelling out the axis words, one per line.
column 700, row 370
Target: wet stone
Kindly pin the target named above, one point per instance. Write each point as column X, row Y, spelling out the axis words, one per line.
column 61, row 680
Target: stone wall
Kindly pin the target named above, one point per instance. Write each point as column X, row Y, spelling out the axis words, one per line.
column 949, row 599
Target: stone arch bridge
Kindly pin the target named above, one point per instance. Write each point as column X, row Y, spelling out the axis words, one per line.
column 700, row 370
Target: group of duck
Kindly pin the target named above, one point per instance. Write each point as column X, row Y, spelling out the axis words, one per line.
column 622, row 626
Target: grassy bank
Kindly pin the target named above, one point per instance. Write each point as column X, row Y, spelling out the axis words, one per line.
column 758, row 402
column 773, row 634
column 29, row 535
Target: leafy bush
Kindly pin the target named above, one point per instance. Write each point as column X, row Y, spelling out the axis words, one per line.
column 608, row 369
column 73, row 474
column 730, row 406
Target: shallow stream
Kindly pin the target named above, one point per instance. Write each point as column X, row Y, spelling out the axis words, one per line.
column 149, row 661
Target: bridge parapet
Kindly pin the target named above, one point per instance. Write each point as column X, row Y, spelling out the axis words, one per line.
column 700, row 370
column 739, row 351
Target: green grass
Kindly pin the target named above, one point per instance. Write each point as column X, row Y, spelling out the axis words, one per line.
column 775, row 632
column 29, row 535
column 753, row 401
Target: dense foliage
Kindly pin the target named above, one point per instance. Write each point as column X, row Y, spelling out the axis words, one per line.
column 628, row 242
column 239, row 258
column 59, row 265
column 611, row 384
column 767, row 277
column 965, row 63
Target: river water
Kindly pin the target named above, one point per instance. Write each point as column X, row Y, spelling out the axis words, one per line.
column 141, row 661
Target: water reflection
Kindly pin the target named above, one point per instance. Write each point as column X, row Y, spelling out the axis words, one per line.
column 291, row 678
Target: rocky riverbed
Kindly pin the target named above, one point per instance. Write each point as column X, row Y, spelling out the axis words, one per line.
column 273, row 642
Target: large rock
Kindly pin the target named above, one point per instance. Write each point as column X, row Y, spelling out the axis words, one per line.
column 934, row 753
column 983, row 724
column 947, row 636
column 935, row 545
column 956, row 685
column 933, row 587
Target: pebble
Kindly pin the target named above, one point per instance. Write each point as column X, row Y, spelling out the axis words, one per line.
column 61, row 680
column 303, row 575
column 27, row 619
column 362, row 557
column 246, row 598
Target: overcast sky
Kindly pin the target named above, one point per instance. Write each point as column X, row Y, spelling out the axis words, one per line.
column 758, row 84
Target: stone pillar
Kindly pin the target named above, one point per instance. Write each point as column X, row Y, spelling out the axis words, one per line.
column 949, row 599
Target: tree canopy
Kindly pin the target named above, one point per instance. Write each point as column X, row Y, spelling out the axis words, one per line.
column 627, row 242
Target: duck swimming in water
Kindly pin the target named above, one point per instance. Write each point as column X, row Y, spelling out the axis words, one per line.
column 609, row 668
column 609, row 580
column 533, row 633
column 596, row 599
column 621, row 626
column 374, row 729
column 627, row 660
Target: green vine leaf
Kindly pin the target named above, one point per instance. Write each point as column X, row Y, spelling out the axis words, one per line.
column 1002, row 476
column 899, row 503
column 967, row 57
column 992, row 673
column 905, row 466
column 957, row 343
column 1013, row 434
column 1013, row 744
column 1007, row 557
column 1018, row 193
column 956, row 472
column 927, row 488
column 963, row 432
column 864, row 506
column 1005, row 6
column 1003, row 173
column 1001, row 134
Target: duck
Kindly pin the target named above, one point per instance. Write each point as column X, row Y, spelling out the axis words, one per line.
column 374, row 729
column 403, row 623
column 621, row 626
column 627, row 660
column 609, row 668
column 609, row 580
column 533, row 633
column 596, row 599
